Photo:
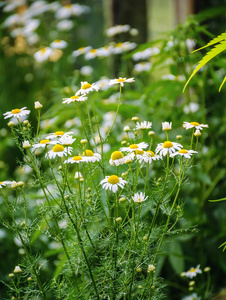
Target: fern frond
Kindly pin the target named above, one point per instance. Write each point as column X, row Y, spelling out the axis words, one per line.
column 211, row 54
column 218, row 39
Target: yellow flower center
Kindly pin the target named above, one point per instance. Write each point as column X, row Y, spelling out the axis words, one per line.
column 44, row 141
column 118, row 45
column 194, row 123
column 15, row 111
column 88, row 153
column 86, row 86
column 77, row 158
column 150, row 153
column 57, row 41
column 58, row 148
column 116, row 155
column 43, row 51
column 1, row 182
column 120, row 80
column 74, row 97
column 133, row 146
column 139, row 151
column 93, row 51
column 59, row 133
column 81, row 48
column 113, row 179
column 183, row 151
column 192, row 270
column 68, row 5
column 167, row 144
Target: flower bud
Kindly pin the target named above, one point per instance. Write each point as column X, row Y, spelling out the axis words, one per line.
column 11, row 275
column 179, row 137
column 197, row 133
column 126, row 128
column 17, row 270
column 83, row 141
column 150, row 133
column 139, row 270
column 118, row 220
column 13, row 184
column 207, row 269
column 38, row 105
column 151, row 268
column 11, row 124
column 26, row 145
column 134, row 119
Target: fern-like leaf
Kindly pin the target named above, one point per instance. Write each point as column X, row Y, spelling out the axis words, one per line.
column 211, row 54
column 216, row 40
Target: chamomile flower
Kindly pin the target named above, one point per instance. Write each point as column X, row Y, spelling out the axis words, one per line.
column 42, row 144
column 134, row 147
column 86, row 88
column 66, row 140
column 91, row 54
column 142, row 67
column 17, row 113
column 112, row 183
column 75, row 159
column 117, row 29
column 193, row 296
column 43, row 54
column 147, row 156
column 121, row 81
column 117, row 158
column 193, row 272
column 4, row 183
column 81, row 51
column 167, row 147
column 195, row 125
column 58, row 134
column 58, row 150
column 166, row 126
column 184, row 152
column 58, row 44
column 143, row 125
column 89, row 156
column 74, row 99
column 139, row 197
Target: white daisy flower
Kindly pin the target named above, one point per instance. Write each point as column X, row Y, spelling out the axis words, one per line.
column 117, row 158
column 134, row 147
column 166, row 126
column 143, row 125
column 66, row 140
column 81, row 51
column 75, row 159
column 42, row 144
column 167, row 147
column 58, row 150
column 4, row 183
column 16, row 113
column 43, row 54
column 195, row 125
column 58, row 134
column 104, row 51
column 123, row 47
column 103, row 83
column 58, row 44
column 86, row 70
column 86, row 88
column 91, row 54
column 112, row 183
column 193, row 272
column 147, row 156
column 139, row 197
column 142, row 67
column 184, row 152
column 117, row 29
column 193, row 296
column 74, row 99
column 65, row 25
column 89, row 156
column 121, row 81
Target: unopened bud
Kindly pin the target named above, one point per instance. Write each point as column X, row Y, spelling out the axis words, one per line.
column 150, row 133
column 26, row 145
column 17, row 270
column 126, row 128
column 38, row 105
column 11, row 124
column 151, row 268
column 83, row 141
column 197, row 133
column 134, row 119
column 118, row 220
column 179, row 137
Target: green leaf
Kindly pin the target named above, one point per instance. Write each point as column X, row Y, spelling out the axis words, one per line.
column 211, row 54
column 216, row 40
